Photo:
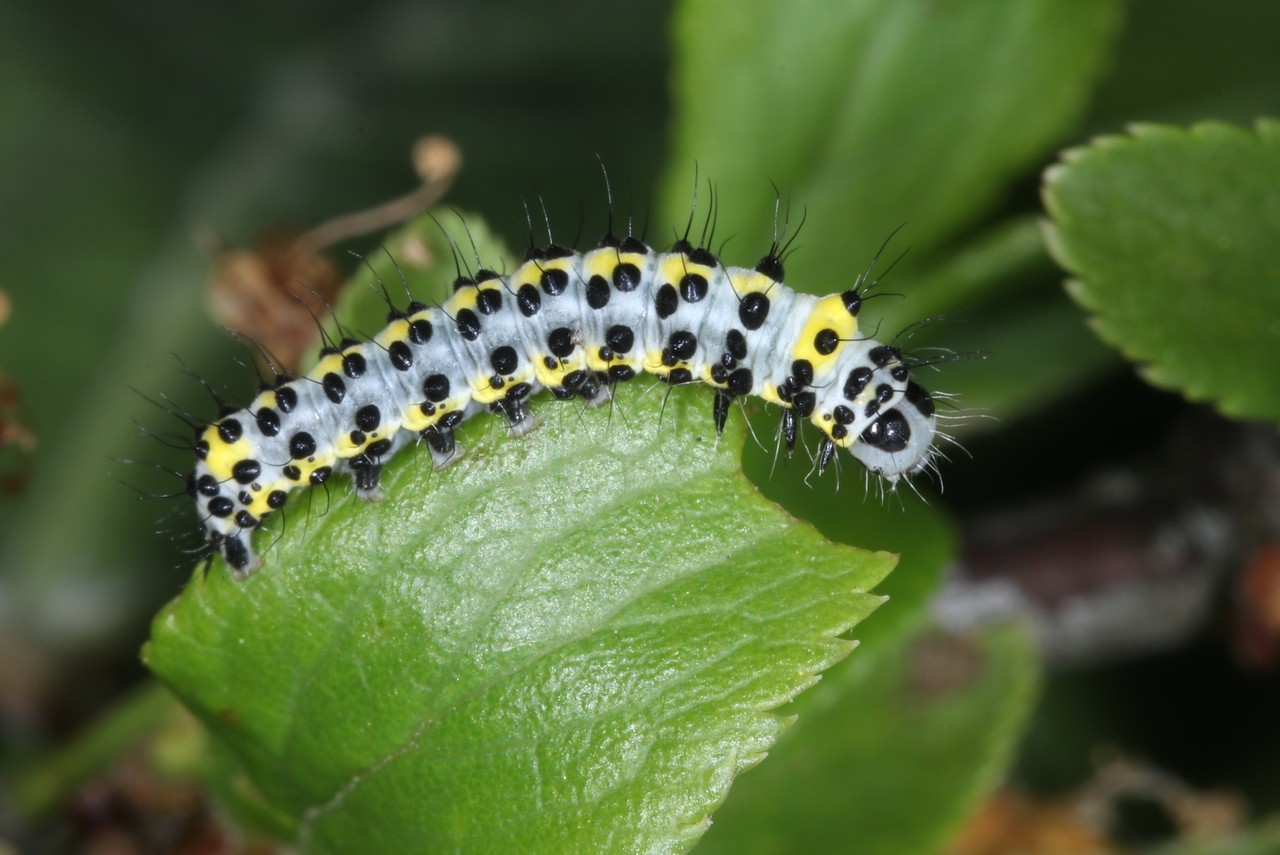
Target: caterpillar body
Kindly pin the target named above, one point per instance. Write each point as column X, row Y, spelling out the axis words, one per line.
column 575, row 324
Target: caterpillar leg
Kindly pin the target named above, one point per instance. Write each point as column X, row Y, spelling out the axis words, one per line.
column 442, row 442
column 589, row 386
column 527, row 423
column 738, row 383
column 366, row 478
column 366, row 468
column 513, row 408
column 724, row 398
column 596, row 392
column 575, row 384
column 788, row 428
column 826, row 453
column 237, row 552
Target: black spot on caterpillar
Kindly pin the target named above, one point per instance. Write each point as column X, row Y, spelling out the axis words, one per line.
column 575, row 324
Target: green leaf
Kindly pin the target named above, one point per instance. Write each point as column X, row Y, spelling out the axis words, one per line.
column 888, row 759
column 52, row 778
column 1170, row 235
column 843, row 508
column 570, row 641
column 1019, row 357
column 871, row 115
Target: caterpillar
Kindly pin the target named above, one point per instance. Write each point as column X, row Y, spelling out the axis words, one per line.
column 576, row 324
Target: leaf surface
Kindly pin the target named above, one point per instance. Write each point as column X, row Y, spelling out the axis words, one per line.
column 890, row 756
column 1170, row 235
column 867, row 115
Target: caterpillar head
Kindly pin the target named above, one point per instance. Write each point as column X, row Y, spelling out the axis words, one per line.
column 878, row 412
column 900, row 440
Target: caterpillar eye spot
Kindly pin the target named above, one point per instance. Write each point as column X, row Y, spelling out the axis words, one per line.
column 852, row 302
column 858, row 380
column 554, row 282
column 504, row 360
column 489, row 302
column 230, row 431
column 626, row 277
column 741, row 381
column 368, row 417
column 529, row 300
column 666, row 301
column 634, row 246
column 246, row 471
column 803, row 403
column 468, row 325
column 420, row 331
column 620, row 339
column 221, row 506
column 400, row 355
column 684, row 345
column 920, row 399
column 771, row 266
column 890, row 432
column 334, row 389
column 436, row 387
column 286, row 399
column 268, row 422
column 702, row 255
column 736, row 344
column 693, row 288
column 354, row 365
column 753, row 311
column 884, row 354
column 802, row 371
column 825, row 342
column 597, row 293
column 560, row 342
column 302, row 445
